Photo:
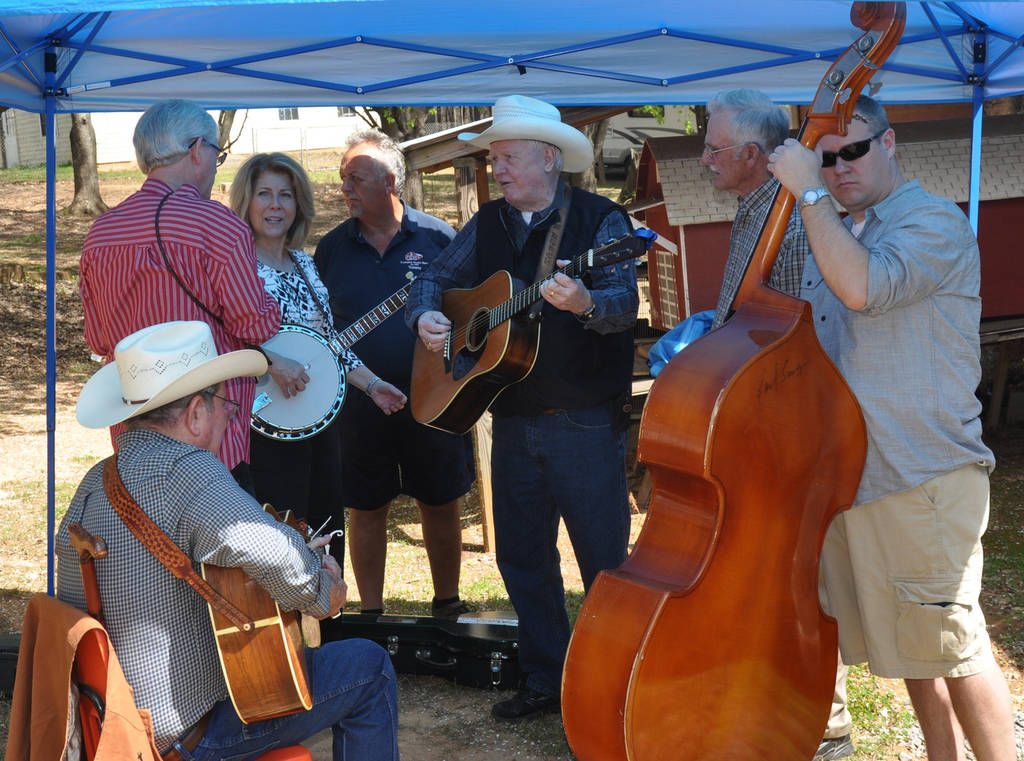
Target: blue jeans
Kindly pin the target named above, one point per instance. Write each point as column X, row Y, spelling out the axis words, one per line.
column 353, row 685
column 568, row 465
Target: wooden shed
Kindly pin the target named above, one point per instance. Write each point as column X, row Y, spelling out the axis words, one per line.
column 676, row 199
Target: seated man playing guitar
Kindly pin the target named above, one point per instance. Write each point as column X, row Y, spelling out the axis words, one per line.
column 559, row 440
column 167, row 383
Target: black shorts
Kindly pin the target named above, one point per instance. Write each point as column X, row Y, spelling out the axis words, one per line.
column 387, row 455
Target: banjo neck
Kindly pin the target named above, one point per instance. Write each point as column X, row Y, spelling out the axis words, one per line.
column 347, row 337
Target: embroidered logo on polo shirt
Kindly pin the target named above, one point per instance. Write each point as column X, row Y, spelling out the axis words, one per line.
column 414, row 261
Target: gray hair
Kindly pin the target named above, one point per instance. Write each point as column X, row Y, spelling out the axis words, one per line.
column 872, row 113
column 394, row 159
column 165, row 131
column 753, row 116
column 170, row 413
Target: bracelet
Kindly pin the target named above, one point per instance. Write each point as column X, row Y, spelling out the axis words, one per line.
column 371, row 384
column 262, row 351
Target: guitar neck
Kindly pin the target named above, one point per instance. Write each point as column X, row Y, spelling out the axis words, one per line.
column 523, row 299
column 373, row 318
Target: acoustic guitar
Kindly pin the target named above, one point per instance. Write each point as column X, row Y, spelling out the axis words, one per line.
column 489, row 347
column 265, row 669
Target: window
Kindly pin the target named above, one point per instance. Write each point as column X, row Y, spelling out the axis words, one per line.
column 42, row 125
column 346, row 111
column 287, row 114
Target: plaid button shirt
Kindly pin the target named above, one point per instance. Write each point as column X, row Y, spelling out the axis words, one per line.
column 159, row 626
column 746, row 229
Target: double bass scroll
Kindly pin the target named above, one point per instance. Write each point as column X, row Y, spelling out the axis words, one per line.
column 709, row 643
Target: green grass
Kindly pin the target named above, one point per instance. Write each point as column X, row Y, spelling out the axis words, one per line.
column 64, row 172
column 880, row 721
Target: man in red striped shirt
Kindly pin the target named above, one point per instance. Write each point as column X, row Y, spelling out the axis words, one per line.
column 135, row 266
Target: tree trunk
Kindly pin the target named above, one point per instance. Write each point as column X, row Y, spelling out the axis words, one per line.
column 225, row 122
column 600, row 131
column 87, row 201
column 413, row 194
column 586, row 179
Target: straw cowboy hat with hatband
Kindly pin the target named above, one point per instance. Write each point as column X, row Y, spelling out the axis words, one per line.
column 156, row 366
column 517, row 117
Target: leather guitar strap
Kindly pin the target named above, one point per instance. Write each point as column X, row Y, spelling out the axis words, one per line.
column 162, row 547
column 546, row 265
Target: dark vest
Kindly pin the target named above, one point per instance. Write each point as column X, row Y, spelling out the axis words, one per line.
column 575, row 367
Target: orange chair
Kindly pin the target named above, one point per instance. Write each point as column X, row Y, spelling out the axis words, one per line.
column 90, row 670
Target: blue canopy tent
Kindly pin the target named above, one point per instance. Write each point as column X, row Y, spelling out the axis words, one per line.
column 108, row 55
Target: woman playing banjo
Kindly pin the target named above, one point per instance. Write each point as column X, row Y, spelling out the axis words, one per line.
column 273, row 194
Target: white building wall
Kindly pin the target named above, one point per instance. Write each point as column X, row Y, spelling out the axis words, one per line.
column 24, row 144
column 254, row 130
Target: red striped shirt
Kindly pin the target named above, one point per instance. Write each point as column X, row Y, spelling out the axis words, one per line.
column 126, row 286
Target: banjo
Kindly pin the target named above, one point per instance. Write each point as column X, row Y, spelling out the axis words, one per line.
column 310, row 411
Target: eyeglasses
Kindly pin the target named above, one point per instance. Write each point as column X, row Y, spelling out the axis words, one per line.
column 230, row 406
column 850, row 152
column 711, row 152
column 221, row 153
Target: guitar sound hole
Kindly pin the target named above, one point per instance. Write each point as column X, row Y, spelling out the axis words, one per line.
column 477, row 329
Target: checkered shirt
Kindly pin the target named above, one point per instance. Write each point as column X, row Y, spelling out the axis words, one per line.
column 746, row 229
column 159, row 626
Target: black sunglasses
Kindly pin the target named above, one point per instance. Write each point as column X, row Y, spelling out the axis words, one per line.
column 850, row 152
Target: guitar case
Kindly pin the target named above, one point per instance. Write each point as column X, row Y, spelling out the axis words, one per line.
column 477, row 650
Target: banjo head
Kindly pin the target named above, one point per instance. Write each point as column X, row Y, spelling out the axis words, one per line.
column 311, row 410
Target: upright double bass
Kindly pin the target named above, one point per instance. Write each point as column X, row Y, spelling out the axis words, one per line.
column 709, row 641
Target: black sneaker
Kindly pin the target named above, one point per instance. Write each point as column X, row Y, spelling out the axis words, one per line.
column 832, row 748
column 527, row 704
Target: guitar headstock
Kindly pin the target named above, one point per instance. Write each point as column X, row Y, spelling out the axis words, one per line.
column 621, row 249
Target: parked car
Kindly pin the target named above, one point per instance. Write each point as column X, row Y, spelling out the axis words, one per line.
column 628, row 131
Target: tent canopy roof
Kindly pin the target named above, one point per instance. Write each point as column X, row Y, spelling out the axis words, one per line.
column 249, row 53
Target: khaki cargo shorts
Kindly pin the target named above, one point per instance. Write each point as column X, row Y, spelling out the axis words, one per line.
column 902, row 577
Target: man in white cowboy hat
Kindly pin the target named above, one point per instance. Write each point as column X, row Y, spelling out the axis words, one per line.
column 167, row 383
column 559, row 435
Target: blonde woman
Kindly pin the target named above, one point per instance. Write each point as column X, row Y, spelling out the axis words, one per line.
column 273, row 194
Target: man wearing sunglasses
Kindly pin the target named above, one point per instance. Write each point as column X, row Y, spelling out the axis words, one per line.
column 168, row 253
column 894, row 288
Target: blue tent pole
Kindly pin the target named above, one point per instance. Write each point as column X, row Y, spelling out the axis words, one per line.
column 975, row 180
column 978, row 110
column 51, row 305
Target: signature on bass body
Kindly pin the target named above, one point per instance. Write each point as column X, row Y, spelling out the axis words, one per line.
column 784, row 371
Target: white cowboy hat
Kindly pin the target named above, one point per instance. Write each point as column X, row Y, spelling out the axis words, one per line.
column 517, row 117
column 156, row 366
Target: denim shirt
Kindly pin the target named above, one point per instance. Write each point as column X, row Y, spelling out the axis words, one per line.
column 912, row 354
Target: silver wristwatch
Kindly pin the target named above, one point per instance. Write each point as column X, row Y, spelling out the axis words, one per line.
column 811, row 196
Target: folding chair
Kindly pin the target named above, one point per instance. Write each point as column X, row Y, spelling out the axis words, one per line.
column 90, row 671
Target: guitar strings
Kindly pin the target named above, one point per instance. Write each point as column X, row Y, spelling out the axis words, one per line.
column 481, row 320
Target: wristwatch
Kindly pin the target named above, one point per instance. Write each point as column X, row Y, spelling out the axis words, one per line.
column 811, row 196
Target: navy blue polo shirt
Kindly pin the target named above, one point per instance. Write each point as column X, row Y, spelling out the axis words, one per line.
column 358, row 279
